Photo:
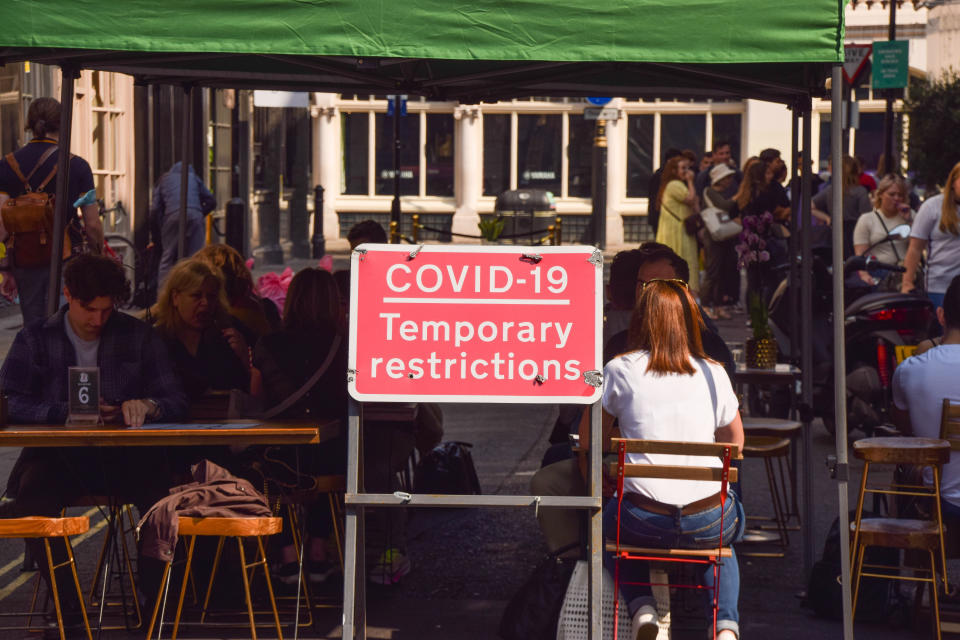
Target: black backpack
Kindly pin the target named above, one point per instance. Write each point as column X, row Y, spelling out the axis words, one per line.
column 447, row 469
column 879, row 599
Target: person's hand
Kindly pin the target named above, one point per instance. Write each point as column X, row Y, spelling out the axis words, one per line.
column 238, row 344
column 906, row 287
column 8, row 286
column 866, row 277
column 110, row 413
column 136, row 412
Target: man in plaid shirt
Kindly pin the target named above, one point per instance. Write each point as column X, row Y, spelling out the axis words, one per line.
column 137, row 383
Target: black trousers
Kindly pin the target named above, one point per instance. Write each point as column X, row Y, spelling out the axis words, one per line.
column 44, row 481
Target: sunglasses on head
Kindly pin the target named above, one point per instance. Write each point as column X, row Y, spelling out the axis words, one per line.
column 643, row 283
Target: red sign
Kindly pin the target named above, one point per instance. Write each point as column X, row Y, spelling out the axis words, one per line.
column 497, row 324
column 855, row 57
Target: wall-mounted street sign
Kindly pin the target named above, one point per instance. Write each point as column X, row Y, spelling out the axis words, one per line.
column 599, row 102
column 855, row 56
column 601, row 113
column 890, row 64
column 440, row 323
column 298, row 99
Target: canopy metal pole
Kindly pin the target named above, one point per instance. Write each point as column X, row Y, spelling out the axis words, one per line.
column 184, row 168
column 354, row 572
column 596, row 525
column 793, row 272
column 839, row 350
column 806, row 339
column 63, row 206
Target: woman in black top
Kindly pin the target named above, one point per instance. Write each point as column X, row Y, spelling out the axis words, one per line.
column 287, row 359
column 208, row 353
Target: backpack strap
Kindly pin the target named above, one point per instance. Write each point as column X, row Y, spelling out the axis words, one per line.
column 12, row 161
column 46, row 154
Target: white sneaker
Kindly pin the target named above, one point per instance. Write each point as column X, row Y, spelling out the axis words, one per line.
column 645, row 625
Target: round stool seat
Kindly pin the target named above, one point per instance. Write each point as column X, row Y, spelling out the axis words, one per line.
column 241, row 527
column 901, row 533
column 765, row 446
column 760, row 426
column 40, row 527
column 903, row 450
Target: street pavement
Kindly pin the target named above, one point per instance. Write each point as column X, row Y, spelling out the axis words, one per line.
column 467, row 563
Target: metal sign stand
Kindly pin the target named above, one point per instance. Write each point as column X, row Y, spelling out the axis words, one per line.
column 356, row 501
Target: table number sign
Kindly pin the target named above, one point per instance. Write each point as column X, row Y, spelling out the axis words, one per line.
column 83, row 385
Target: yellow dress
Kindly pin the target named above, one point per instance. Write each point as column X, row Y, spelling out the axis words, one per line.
column 673, row 211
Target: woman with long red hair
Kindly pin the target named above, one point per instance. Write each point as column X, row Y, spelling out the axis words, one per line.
column 667, row 389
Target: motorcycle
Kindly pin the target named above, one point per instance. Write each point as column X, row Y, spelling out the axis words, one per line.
column 881, row 328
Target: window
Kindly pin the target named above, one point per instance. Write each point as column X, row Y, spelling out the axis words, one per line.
column 439, row 154
column 538, row 152
column 868, row 141
column 496, row 154
column 639, row 155
column 683, row 131
column 409, row 160
column 354, row 174
column 726, row 128
column 580, row 156
column 825, row 137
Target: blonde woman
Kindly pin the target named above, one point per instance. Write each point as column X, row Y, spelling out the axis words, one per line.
column 677, row 201
column 890, row 210
column 190, row 315
column 936, row 229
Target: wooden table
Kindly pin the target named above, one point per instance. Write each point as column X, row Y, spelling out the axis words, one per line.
column 772, row 377
column 221, row 432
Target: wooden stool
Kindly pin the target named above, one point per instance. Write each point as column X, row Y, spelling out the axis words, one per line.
column 903, row 533
column 238, row 528
column 781, row 428
column 46, row 528
column 770, row 449
column 331, row 488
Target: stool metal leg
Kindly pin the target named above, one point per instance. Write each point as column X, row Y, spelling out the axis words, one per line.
column 183, row 587
column 164, row 587
column 76, row 584
column 213, row 574
column 857, row 569
column 246, row 589
column 266, row 574
column 943, row 551
column 934, row 600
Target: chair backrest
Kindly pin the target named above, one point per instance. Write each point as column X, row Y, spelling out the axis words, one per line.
column 724, row 451
column 950, row 424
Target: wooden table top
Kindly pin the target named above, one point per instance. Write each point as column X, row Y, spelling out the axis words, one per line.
column 786, row 376
column 219, row 432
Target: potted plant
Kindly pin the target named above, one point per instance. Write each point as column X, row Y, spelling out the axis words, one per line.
column 490, row 229
column 761, row 349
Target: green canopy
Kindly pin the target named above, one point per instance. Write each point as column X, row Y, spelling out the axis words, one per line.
column 472, row 50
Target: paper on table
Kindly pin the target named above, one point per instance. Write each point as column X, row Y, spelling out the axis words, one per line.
column 204, row 425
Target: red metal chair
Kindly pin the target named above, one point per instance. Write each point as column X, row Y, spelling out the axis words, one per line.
column 724, row 475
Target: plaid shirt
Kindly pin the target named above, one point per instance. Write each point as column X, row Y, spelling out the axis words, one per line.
column 133, row 362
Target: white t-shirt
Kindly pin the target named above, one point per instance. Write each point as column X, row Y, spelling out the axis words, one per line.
column 943, row 249
column 920, row 384
column 86, row 350
column 687, row 408
column 871, row 230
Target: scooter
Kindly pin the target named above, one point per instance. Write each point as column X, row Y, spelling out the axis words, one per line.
column 882, row 328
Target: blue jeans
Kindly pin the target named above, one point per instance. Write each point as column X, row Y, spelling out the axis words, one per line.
column 693, row 531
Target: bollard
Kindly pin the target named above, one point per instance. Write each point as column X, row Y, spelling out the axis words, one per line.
column 318, row 242
column 416, row 228
column 558, row 236
column 235, row 224
column 551, row 235
column 394, row 232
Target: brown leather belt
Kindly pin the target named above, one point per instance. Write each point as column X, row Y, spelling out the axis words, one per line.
column 648, row 504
